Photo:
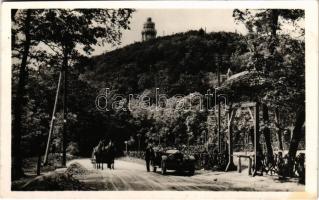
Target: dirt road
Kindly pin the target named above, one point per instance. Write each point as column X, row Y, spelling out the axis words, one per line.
column 132, row 175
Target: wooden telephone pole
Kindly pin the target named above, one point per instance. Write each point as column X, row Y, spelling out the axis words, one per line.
column 219, row 138
column 63, row 74
column 45, row 160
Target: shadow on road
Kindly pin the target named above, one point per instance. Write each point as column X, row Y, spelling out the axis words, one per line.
column 175, row 173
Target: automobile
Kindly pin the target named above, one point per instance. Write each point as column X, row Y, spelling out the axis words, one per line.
column 173, row 159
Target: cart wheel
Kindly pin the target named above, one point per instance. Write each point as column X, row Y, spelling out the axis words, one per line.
column 153, row 168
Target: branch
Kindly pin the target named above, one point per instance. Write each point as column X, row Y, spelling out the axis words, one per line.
column 51, row 47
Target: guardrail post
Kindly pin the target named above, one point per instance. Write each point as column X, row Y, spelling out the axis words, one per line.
column 239, row 164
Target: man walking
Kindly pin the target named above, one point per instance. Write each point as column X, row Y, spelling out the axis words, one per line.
column 149, row 154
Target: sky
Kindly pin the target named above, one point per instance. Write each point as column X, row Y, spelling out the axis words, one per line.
column 170, row 21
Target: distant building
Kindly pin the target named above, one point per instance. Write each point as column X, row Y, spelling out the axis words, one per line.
column 149, row 31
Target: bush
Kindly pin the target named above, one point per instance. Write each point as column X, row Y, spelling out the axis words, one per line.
column 53, row 182
column 73, row 149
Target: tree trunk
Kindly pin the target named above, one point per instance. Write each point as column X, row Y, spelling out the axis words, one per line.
column 274, row 16
column 274, row 27
column 267, row 134
column 279, row 135
column 13, row 32
column 65, row 112
column 274, row 22
column 39, row 164
column 296, row 137
column 13, row 13
column 17, row 171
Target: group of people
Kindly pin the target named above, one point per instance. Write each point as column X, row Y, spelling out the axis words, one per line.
column 103, row 153
column 279, row 165
column 283, row 167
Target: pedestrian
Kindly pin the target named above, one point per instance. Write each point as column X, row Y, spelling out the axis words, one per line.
column 149, row 153
column 110, row 155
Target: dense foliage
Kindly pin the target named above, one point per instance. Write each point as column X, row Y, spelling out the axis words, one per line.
column 44, row 42
column 184, row 64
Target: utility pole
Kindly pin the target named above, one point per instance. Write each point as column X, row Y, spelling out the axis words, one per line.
column 256, row 138
column 45, row 160
column 66, row 49
column 155, row 75
column 126, row 148
column 217, row 63
column 231, row 113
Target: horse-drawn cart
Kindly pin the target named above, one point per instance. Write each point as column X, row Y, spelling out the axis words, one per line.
column 103, row 154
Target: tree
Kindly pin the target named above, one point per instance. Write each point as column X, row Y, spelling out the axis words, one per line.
column 70, row 28
column 13, row 33
column 18, row 104
column 62, row 33
column 269, row 48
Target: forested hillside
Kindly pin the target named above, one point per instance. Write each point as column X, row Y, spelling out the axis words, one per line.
column 177, row 64
column 210, row 94
column 180, row 64
column 184, row 63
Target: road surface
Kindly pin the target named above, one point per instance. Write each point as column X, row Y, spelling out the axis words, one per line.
column 132, row 175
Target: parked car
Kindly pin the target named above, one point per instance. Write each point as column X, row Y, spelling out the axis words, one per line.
column 173, row 159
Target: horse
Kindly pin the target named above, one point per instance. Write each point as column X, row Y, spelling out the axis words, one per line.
column 104, row 154
column 93, row 157
column 97, row 153
column 110, row 155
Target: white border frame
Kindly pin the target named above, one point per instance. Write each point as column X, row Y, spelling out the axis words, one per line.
column 311, row 8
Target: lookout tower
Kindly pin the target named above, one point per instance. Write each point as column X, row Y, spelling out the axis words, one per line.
column 149, row 31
